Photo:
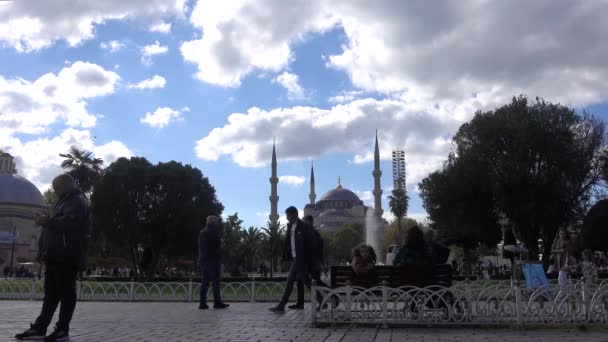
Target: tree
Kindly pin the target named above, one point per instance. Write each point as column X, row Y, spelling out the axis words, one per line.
column 50, row 197
column 539, row 163
column 233, row 254
column 594, row 233
column 345, row 239
column 398, row 202
column 394, row 233
column 274, row 237
column 85, row 169
column 147, row 211
column 252, row 239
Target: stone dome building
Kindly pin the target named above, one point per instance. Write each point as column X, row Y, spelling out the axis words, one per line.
column 19, row 200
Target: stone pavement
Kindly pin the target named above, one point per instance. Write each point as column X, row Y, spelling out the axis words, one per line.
column 96, row 321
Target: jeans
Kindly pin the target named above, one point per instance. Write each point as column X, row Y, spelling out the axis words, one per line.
column 59, row 287
column 316, row 276
column 295, row 274
column 210, row 272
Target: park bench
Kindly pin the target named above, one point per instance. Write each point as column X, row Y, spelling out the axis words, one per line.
column 395, row 276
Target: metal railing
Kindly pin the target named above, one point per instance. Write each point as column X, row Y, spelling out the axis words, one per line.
column 468, row 303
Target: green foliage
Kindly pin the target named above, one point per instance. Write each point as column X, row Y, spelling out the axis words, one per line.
column 536, row 163
column 274, row 237
column 50, row 197
column 160, row 208
column 347, row 237
column 85, row 169
column 398, row 202
column 594, row 233
column 394, row 233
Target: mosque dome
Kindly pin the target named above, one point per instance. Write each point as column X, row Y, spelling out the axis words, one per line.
column 15, row 189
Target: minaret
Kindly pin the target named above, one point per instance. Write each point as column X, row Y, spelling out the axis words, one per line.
column 274, row 198
column 313, row 195
column 377, row 187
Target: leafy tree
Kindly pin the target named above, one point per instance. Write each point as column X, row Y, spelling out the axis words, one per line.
column 252, row 240
column 274, row 236
column 85, row 169
column 345, row 239
column 147, row 211
column 394, row 233
column 594, row 233
column 398, row 202
column 233, row 254
column 541, row 161
column 50, row 197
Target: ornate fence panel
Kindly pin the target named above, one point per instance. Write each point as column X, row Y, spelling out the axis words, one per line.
column 465, row 303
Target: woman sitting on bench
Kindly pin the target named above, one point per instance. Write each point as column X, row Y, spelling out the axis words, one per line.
column 415, row 249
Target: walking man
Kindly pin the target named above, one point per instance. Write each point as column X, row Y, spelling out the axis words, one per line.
column 297, row 250
column 209, row 257
column 63, row 248
column 316, row 265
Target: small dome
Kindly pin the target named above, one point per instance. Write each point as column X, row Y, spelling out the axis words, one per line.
column 15, row 189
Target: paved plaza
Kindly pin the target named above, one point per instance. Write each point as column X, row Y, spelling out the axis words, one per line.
column 97, row 321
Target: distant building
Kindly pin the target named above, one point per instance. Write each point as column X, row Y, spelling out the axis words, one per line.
column 399, row 172
column 338, row 206
column 19, row 199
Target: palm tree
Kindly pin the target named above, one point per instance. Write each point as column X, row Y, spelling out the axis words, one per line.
column 398, row 202
column 83, row 167
column 274, row 234
column 252, row 237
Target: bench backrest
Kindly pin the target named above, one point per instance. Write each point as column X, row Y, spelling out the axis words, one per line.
column 395, row 276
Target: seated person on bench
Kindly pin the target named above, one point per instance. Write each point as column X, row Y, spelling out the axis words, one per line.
column 415, row 250
column 363, row 263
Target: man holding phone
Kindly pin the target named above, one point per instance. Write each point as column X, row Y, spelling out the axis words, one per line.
column 63, row 248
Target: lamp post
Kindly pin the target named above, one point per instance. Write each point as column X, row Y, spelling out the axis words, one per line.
column 10, row 273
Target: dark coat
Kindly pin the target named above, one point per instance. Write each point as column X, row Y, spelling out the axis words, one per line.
column 305, row 245
column 209, row 245
column 64, row 238
column 439, row 252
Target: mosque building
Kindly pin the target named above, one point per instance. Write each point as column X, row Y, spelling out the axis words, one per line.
column 338, row 206
column 19, row 200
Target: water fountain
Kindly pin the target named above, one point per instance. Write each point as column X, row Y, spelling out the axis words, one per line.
column 371, row 233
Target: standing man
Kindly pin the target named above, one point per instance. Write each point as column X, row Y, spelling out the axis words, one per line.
column 209, row 256
column 297, row 250
column 63, row 248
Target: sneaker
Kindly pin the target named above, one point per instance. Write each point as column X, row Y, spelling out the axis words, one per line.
column 220, row 305
column 277, row 309
column 57, row 336
column 31, row 334
column 203, row 306
column 296, row 307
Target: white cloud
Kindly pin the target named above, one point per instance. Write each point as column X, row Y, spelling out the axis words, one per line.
column 242, row 36
column 112, row 46
column 33, row 25
column 161, row 117
column 161, row 27
column 31, row 106
column 451, row 54
column 347, row 128
column 346, row 96
column 294, row 181
column 148, row 51
column 155, row 81
column 290, row 82
column 38, row 160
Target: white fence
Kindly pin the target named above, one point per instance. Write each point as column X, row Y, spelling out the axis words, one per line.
column 254, row 291
column 469, row 303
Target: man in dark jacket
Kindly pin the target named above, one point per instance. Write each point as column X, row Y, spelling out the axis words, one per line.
column 209, row 257
column 297, row 249
column 63, row 248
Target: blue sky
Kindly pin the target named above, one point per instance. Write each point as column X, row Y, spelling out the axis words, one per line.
column 211, row 83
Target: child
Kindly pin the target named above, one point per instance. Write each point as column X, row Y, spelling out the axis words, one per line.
column 364, row 259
